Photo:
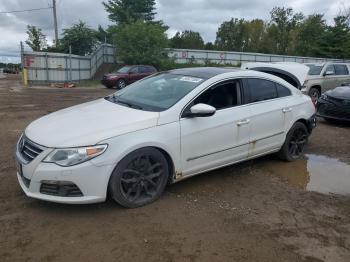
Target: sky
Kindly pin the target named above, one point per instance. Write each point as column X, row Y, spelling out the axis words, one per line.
column 203, row 16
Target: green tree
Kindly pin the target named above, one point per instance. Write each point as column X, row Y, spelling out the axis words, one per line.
column 141, row 43
column 36, row 39
column 255, row 31
column 284, row 21
column 312, row 30
column 335, row 43
column 187, row 40
column 231, row 35
column 129, row 11
column 80, row 37
column 209, row 46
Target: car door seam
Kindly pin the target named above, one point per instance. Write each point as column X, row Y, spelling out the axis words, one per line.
column 229, row 148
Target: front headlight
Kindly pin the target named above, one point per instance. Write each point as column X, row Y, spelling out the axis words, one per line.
column 74, row 156
column 324, row 96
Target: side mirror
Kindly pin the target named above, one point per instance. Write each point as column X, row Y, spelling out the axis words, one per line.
column 328, row 73
column 201, row 110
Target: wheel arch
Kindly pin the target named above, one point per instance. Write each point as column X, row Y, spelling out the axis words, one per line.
column 167, row 155
column 304, row 122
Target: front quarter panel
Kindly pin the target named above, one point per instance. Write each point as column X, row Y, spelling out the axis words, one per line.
column 165, row 137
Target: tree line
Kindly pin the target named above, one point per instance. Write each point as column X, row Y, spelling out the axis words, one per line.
column 142, row 39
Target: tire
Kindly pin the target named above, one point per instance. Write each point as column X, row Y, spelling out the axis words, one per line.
column 121, row 84
column 295, row 142
column 314, row 93
column 139, row 178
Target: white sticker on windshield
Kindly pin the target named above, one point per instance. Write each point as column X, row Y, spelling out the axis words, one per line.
column 191, row 79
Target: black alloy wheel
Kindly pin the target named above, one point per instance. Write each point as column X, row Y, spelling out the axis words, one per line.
column 295, row 142
column 139, row 178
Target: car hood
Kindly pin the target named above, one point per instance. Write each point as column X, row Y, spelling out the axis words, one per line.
column 294, row 73
column 342, row 92
column 88, row 124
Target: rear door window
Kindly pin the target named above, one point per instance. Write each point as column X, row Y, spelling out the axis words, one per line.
column 143, row 69
column 261, row 90
column 330, row 69
column 341, row 69
column 134, row 70
column 151, row 69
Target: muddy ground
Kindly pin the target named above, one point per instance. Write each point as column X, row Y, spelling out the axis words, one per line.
column 254, row 211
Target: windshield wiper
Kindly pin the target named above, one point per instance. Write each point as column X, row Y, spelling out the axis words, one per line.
column 119, row 101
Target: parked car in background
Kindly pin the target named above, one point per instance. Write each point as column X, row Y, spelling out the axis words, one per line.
column 335, row 104
column 127, row 75
column 10, row 70
column 324, row 77
column 160, row 130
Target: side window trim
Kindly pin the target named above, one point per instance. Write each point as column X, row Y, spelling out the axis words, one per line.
column 214, row 85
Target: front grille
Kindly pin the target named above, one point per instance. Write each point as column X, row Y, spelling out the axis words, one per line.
column 333, row 110
column 63, row 190
column 28, row 149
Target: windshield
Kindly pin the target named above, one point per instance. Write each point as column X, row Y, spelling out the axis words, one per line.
column 314, row 69
column 124, row 69
column 156, row 93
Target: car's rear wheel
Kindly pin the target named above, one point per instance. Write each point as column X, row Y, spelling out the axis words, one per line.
column 295, row 142
column 314, row 93
column 121, row 84
column 139, row 178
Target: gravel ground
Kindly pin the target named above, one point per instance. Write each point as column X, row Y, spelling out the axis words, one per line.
column 251, row 211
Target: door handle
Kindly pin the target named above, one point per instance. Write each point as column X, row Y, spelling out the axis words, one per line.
column 243, row 122
column 285, row 110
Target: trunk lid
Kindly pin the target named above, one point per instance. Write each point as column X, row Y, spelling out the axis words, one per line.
column 293, row 73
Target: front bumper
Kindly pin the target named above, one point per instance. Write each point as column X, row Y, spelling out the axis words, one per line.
column 336, row 110
column 91, row 180
column 108, row 83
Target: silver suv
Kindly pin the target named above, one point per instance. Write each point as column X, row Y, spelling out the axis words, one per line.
column 322, row 77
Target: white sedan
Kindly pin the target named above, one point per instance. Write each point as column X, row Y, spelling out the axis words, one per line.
column 160, row 130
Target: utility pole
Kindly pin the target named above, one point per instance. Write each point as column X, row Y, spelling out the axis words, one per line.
column 55, row 21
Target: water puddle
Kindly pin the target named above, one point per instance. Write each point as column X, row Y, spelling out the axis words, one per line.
column 314, row 173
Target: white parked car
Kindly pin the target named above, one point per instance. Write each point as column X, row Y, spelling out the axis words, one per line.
column 159, row 130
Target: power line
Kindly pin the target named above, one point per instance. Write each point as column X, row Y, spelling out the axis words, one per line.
column 27, row 10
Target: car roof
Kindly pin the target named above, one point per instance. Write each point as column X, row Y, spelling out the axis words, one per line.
column 203, row 72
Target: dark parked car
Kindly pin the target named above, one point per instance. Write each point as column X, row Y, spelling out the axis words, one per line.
column 127, row 75
column 335, row 104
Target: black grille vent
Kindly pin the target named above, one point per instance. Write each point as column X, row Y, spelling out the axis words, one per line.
column 28, row 149
column 63, row 190
column 334, row 111
column 26, row 181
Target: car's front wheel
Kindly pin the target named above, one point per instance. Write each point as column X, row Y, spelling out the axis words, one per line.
column 295, row 142
column 314, row 93
column 139, row 178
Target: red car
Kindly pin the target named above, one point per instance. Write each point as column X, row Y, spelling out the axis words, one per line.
column 127, row 75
